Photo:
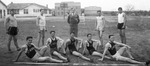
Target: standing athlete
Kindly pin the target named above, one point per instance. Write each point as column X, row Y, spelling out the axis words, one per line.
column 73, row 44
column 122, row 24
column 41, row 23
column 12, row 30
column 35, row 53
column 111, row 48
column 100, row 25
column 55, row 43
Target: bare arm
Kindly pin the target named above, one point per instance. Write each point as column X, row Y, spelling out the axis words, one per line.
column 84, row 47
column 22, row 49
column 6, row 22
column 104, row 53
column 68, row 20
column 125, row 20
column 118, row 43
column 37, row 21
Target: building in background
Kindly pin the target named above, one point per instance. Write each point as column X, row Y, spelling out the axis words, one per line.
column 27, row 9
column 91, row 10
column 3, row 9
column 64, row 8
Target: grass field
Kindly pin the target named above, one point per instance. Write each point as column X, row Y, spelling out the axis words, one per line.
column 137, row 33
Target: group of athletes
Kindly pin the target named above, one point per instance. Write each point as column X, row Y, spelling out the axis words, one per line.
column 56, row 45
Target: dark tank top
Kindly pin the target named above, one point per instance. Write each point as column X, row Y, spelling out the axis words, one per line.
column 112, row 49
column 90, row 47
column 72, row 46
column 30, row 51
column 53, row 44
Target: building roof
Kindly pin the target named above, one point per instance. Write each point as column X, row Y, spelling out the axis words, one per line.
column 3, row 3
column 92, row 8
column 23, row 5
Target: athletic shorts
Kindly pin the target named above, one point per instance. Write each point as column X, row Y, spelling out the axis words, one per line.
column 100, row 28
column 120, row 26
column 42, row 27
column 117, row 56
column 36, row 57
column 91, row 50
column 12, row 31
column 52, row 50
column 71, row 51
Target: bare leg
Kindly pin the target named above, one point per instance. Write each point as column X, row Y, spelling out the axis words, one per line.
column 43, row 50
column 123, row 36
column 60, row 56
column 39, row 38
column 16, row 43
column 100, row 34
column 99, row 54
column 43, row 36
column 48, row 59
column 121, row 58
column 120, row 32
column 9, row 42
column 80, row 55
column 121, row 51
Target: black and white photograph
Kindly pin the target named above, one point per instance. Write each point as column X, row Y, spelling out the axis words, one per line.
column 75, row 32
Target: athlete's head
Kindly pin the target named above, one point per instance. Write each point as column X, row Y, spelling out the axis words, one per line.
column 52, row 33
column 120, row 9
column 72, row 34
column 111, row 37
column 99, row 12
column 29, row 39
column 42, row 11
column 12, row 12
column 89, row 36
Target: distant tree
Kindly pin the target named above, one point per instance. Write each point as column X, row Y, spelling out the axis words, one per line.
column 129, row 7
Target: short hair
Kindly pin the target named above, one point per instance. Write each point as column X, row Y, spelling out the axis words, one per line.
column 89, row 34
column 72, row 32
column 120, row 8
column 29, row 37
column 110, row 36
column 99, row 11
column 52, row 31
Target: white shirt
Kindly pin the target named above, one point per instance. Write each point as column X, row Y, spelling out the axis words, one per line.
column 12, row 21
column 121, row 17
column 42, row 20
column 100, row 21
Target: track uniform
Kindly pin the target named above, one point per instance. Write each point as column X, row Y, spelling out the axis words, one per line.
column 53, row 43
column 71, row 45
column 12, row 30
column 42, row 22
column 90, row 47
column 121, row 20
column 31, row 52
column 100, row 23
column 115, row 54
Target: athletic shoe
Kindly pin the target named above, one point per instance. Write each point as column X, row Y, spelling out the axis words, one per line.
column 147, row 63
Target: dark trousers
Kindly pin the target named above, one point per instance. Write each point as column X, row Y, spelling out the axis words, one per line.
column 74, row 29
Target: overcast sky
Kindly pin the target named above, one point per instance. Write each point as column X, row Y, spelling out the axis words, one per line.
column 107, row 5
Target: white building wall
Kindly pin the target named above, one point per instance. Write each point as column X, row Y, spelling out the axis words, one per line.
column 2, row 7
column 30, row 11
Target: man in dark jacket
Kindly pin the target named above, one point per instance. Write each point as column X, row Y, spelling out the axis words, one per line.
column 73, row 20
